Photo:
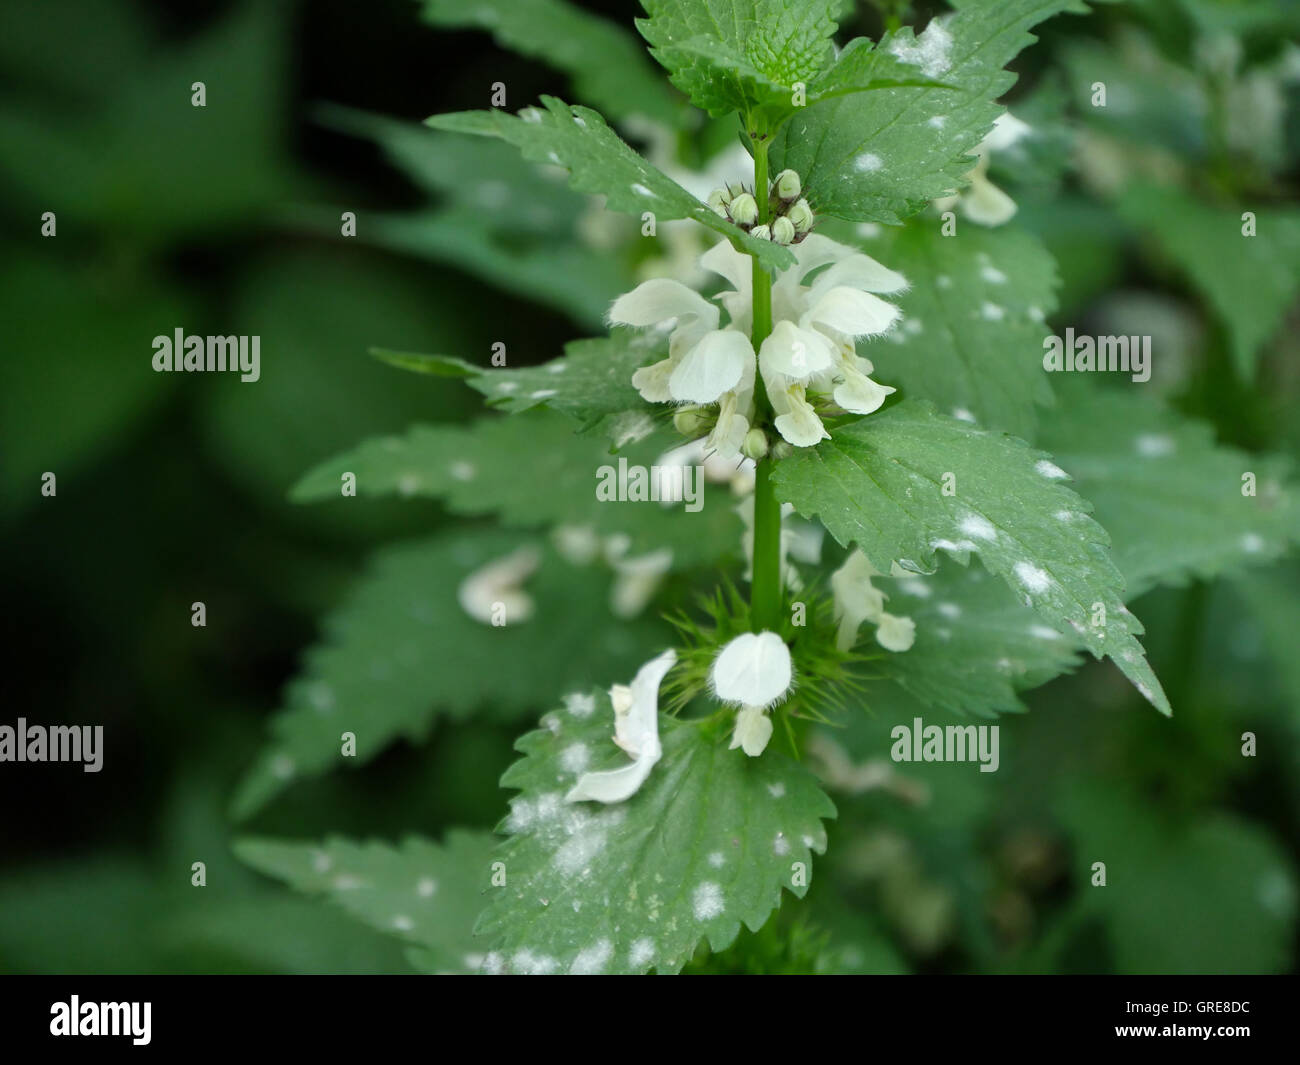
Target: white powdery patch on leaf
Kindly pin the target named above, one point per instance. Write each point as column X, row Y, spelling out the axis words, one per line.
column 1033, row 577
column 868, row 162
column 980, row 528
column 575, row 758
column 1050, row 470
column 932, row 51
column 580, row 705
column 706, row 902
column 1154, row 445
column 642, row 952
column 592, row 960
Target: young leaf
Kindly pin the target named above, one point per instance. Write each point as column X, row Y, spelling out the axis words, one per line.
column 708, row 842
column 400, row 651
column 607, row 64
column 531, row 471
column 598, row 162
column 884, row 155
column 741, row 55
column 971, row 336
column 880, row 483
column 425, row 893
column 1176, row 505
column 1250, row 281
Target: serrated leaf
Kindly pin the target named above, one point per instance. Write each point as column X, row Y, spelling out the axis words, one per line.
column 878, row 484
column 400, row 652
column 884, row 155
column 976, row 645
column 598, row 162
column 1171, row 498
column 530, row 470
column 607, row 64
column 427, row 894
column 708, row 842
column 1249, row 281
column 740, row 55
column 971, row 336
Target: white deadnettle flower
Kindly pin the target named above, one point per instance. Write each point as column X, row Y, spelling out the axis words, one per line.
column 857, row 600
column 499, row 582
column 810, row 349
column 753, row 730
column 753, row 670
column 983, row 202
column 636, row 731
column 736, row 473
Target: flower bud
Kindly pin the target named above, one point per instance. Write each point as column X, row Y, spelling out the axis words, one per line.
column 744, row 210
column 800, row 216
column 717, row 201
column 755, row 444
column 787, row 185
column 761, row 232
column 693, row 421
column 783, row 231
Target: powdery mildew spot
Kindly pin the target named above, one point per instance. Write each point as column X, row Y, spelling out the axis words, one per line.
column 1032, row 577
column 1154, row 445
column 642, row 952
column 776, row 789
column 575, row 757
column 706, row 902
column 978, row 527
column 593, row 959
column 1050, row 470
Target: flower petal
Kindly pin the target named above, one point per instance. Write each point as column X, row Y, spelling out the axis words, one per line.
column 796, row 353
column 895, row 633
column 859, row 394
column 714, row 366
column 986, row 204
column 754, row 669
column 658, row 300
column 723, row 260
column 753, row 731
column 852, row 312
column 612, row 785
column 652, row 381
column 861, row 272
column 799, row 423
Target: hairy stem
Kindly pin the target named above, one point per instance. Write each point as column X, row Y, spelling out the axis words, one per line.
column 765, row 588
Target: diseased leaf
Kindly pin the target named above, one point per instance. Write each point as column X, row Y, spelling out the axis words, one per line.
column 427, row 894
column 971, row 337
column 401, row 652
column 1172, row 500
column 531, row 471
column 878, row 483
column 708, row 842
column 607, row 64
column 598, row 162
column 882, row 156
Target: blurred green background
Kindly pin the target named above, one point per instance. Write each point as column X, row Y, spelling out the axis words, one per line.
column 171, row 490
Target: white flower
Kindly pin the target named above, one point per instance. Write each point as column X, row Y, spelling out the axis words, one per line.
column 983, row 202
column 754, row 669
column 497, row 584
column 857, row 600
column 810, row 348
column 636, row 732
column 703, row 361
column 753, row 730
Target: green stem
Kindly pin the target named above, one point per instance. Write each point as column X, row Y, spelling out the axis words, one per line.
column 765, row 587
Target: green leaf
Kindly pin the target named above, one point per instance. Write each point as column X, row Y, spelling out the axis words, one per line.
column 879, row 483
column 1171, row 498
column 1249, row 281
column 400, row 652
column 708, row 842
column 433, row 365
column 971, row 337
column 741, row 55
column 884, row 155
column 976, row 646
column 425, row 893
column 530, row 471
column 598, row 162
column 607, row 64
column 1214, row 895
